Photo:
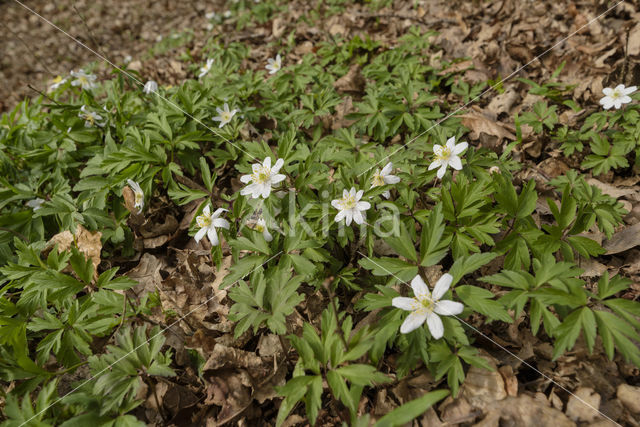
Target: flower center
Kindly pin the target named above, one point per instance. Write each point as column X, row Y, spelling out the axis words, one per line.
column 226, row 116
column 57, row 79
column 443, row 154
column 83, row 80
column 378, row 180
column 616, row 94
column 203, row 221
column 349, row 202
column 262, row 176
column 259, row 227
column 90, row 118
column 139, row 197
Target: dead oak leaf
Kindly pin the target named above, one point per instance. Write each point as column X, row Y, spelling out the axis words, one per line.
column 480, row 124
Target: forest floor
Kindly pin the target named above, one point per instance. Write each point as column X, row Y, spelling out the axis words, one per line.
column 500, row 40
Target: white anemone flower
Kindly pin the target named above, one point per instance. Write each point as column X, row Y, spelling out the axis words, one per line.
column 150, row 87
column 261, row 226
column 56, row 83
column 384, row 177
column 138, row 195
column 427, row 306
column 84, row 80
column 447, row 156
column 224, row 115
column 204, row 70
column 227, row 14
column 274, row 65
column 208, row 223
column 262, row 178
column 617, row 96
column 350, row 207
column 210, row 15
column 35, row 204
column 90, row 118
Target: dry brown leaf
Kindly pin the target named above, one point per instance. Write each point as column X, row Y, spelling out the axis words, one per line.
column 87, row 242
column 524, row 411
column 634, row 41
column 611, row 190
column 624, row 239
column 480, row 124
column 147, row 274
column 630, row 397
column 353, row 81
column 502, row 103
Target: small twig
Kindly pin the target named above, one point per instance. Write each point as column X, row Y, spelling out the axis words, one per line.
column 43, row 94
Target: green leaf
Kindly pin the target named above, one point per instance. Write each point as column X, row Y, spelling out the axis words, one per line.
column 481, row 300
column 411, row 410
column 433, row 247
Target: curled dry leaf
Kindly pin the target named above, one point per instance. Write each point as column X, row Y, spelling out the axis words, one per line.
column 353, row 81
column 89, row 243
column 481, row 124
column 624, row 239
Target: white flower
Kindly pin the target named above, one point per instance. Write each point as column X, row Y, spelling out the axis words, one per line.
column 261, row 226
column 90, row 117
column 616, row 97
column 447, row 156
column 351, row 207
column 209, row 26
column 210, row 15
column 384, row 177
column 138, row 195
column 227, row 14
column 150, row 87
column 208, row 223
column 56, row 83
column 262, row 178
column 84, row 80
column 274, row 65
column 205, row 69
column 427, row 306
column 224, row 115
column 127, row 59
column 35, row 204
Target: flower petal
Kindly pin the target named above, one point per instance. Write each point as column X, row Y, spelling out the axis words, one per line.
column 359, row 194
column 200, row 234
column 276, row 179
column 630, row 90
column 336, row 204
column 207, row 210
column 245, row 179
column 340, row 215
column 404, row 303
column 442, row 286
column 363, row 206
column 348, row 215
column 607, row 91
column 212, row 234
column 277, row 166
column 412, row 322
column 451, row 143
column 435, row 325
column 220, row 223
column 386, row 169
column 455, row 162
column 267, row 163
column 435, row 164
column 420, row 289
column 448, row 308
column 459, row 148
column 358, row 218
column 391, row 179
column 442, row 171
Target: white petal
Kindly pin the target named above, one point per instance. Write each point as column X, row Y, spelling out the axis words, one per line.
column 359, row 194
column 340, row 215
column 391, row 179
column 345, row 193
column 218, row 212
column 353, row 192
column 357, row 216
column 448, row 308
column 245, row 179
column 404, row 303
column 336, row 204
column 451, row 143
column 630, row 90
column 212, row 234
column 348, row 215
column 459, row 148
column 435, row 325
column 412, row 322
column 207, row 210
column 455, row 162
column 363, row 206
column 435, row 164
column 420, row 289
column 278, row 178
column 625, row 99
column 442, row 286
column 620, row 88
column 220, row 223
column 266, row 190
column 200, row 234
column 256, row 167
column 267, row 236
column 277, row 166
column 386, row 194
column 267, row 163
column 607, row 91
column 226, row 107
column 387, row 169
column 442, row 171
column 617, row 103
